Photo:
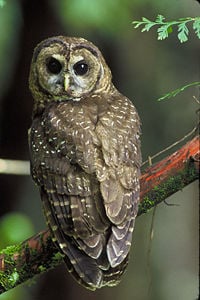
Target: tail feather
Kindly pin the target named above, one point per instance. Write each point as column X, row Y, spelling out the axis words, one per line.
column 82, row 267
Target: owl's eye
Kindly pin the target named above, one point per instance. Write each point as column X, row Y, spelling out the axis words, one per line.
column 53, row 65
column 81, row 68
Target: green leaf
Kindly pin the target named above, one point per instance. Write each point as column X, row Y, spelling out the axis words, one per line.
column 147, row 27
column 146, row 20
column 170, row 29
column 196, row 27
column 183, row 32
column 163, row 32
column 160, row 19
column 137, row 24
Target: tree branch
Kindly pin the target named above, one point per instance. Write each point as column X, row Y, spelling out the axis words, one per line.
column 38, row 254
column 170, row 175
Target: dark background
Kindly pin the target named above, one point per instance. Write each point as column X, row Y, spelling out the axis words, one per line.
column 143, row 69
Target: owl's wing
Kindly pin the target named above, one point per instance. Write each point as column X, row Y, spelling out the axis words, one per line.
column 69, row 197
column 119, row 131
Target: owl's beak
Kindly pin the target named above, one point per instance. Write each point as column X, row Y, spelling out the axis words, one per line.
column 66, row 82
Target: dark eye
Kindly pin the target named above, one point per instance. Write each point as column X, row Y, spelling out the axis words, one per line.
column 81, row 68
column 54, row 66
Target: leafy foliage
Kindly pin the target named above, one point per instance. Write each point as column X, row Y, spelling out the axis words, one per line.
column 165, row 28
column 196, row 27
column 179, row 90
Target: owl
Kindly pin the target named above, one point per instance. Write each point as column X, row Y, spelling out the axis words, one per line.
column 85, row 158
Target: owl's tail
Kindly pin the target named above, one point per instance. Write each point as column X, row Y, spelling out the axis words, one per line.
column 82, row 267
column 88, row 272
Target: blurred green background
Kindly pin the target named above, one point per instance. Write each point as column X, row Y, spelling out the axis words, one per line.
column 143, row 69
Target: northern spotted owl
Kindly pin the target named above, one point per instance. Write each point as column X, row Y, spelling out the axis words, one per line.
column 85, row 157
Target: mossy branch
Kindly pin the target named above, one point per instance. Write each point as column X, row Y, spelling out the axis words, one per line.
column 38, row 254
column 170, row 175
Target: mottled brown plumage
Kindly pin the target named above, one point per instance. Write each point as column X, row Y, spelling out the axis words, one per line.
column 85, row 158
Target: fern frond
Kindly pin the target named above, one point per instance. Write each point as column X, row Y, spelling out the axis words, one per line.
column 165, row 28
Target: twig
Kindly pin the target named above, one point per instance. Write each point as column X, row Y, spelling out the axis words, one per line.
column 172, row 145
column 15, row 167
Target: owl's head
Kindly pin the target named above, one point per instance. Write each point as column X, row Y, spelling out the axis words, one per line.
column 65, row 68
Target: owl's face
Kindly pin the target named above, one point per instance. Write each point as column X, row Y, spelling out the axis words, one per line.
column 67, row 68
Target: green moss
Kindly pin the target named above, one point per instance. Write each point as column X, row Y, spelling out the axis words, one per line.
column 9, row 280
column 170, row 186
column 145, row 205
column 13, row 278
column 57, row 257
column 10, row 277
column 54, row 261
column 19, row 269
column 42, row 268
column 10, row 250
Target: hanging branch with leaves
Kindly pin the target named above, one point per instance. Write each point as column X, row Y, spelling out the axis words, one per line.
column 165, row 28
